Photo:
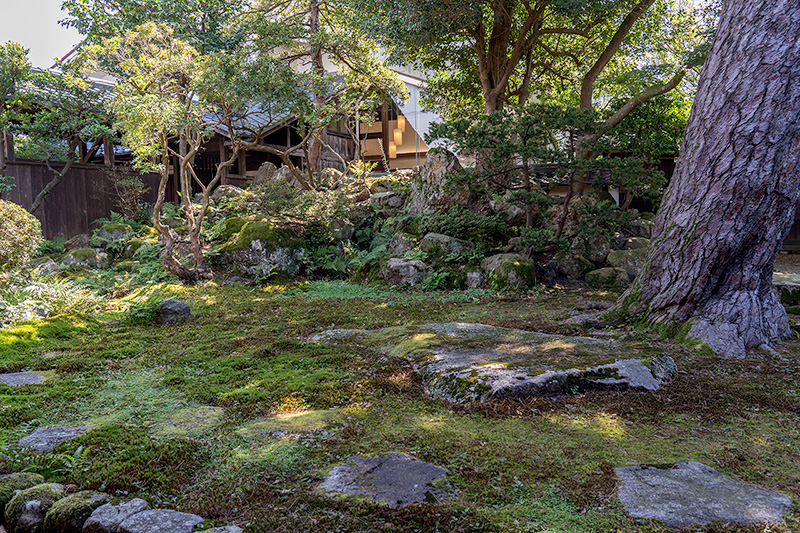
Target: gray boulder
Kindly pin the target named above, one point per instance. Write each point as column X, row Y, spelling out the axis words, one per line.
column 78, row 241
column 515, row 214
column 635, row 242
column 44, row 266
column 11, row 484
column 224, row 529
column 631, row 261
column 87, row 258
column 573, row 266
column 432, row 189
column 387, row 199
column 401, row 244
column 160, row 521
column 509, row 271
column 45, row 439
column 174, row 311
column 693, row 493
column 16, row 379
column 262, row 248
column 107, row 518
column 265, row 174
column 607, row 277
column 475, row 280
column 226, row 193
column 643, row 228
column 395, row 479
column 26, row 511
column 398, row 271
column 595, row 248
column 443, row 244
column 115, row 232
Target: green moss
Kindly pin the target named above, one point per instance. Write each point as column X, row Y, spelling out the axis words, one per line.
column 70, row 513
column 513, row 274
column 114, row 227
column 21, row 481
column 302, row 422
column 83, row 254
column 260, row 231
column 227, row 228
column 46, row 493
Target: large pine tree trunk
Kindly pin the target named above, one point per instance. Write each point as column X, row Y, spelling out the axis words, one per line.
column 733, row 197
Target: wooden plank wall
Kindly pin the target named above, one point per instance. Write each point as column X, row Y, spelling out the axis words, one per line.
column 74, row 203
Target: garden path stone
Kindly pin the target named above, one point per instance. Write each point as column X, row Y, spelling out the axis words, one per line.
column 692, row 492
column 45, row 439
column 174, row 311
column 160, row 521
column 395, row 478
column 108, row 517
column 16, row 379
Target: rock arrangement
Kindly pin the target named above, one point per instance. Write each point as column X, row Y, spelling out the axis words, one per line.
column 465, row 362
column 31, row 506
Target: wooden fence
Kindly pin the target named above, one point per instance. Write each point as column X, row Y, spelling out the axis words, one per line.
column 82, row 197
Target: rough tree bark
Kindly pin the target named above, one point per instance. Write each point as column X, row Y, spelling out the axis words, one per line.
column 733, row 197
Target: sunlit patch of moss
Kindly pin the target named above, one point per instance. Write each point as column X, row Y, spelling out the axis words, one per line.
column 300, row 422
column 191, row 421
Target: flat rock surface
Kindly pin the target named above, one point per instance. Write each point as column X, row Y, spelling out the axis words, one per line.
column 15, row 379
column 160, row 521
column 45, row 439
column 466, row 362
column 395, row 478
column 108, row 517
column 692, row 492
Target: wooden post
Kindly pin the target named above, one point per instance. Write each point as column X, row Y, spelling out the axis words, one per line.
column 242, row 165
column 82, row 151
column 386, row 135
column 9, row 146
column 108, row 153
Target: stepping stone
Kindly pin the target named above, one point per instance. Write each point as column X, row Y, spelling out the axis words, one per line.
column 45, row 439
column 396, row 479
column 108, row 517
column 15, row 379
column 160, row 521
column 692, row 492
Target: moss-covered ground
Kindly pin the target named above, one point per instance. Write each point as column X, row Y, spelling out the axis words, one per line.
column 185, row 416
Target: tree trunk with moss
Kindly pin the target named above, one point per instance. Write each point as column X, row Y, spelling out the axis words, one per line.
column 735, row 190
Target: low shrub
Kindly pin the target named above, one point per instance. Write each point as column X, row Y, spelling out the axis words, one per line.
column 20, row 235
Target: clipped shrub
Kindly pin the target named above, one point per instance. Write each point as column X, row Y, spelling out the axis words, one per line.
column 20, row 235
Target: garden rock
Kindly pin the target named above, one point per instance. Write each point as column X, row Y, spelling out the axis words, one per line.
column 160, row 521
column 631, row 261
column 387, row 199
column 115, row 232
column 226, row 193
column 107, row 518
column 224, row 529
column 45, row 439
column 265, row 174
column 44, row 266
column 547, row 273
column 341, row 229
column 86, row 257
column 262, row 248
column 174, row 311
column 77, row 242
column 26, row 511
column 285, row 175
column 607, row 277
column 515, row 215
column 401, row 244
column 70, row 513
column 443, row 244
column 475, row 280
column 10, row 484
column 693, row 493
column 399, row 271
column 509, row 270
column 396, row 479
column 595, row 248
column 432, row 189
column 573, row 266
column 636, row 242
column 642, row 228
column 16, row 379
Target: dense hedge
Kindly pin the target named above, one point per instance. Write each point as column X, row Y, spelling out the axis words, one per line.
column 20, row 235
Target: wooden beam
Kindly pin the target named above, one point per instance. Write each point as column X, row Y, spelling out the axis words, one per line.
column 9, row 144
column 242, row 163
column 386, row 133
column 223, row 156
column 108, row 153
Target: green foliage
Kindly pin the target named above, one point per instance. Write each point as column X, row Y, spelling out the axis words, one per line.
column 55, row 465
column 55, row 246
column 20, row 235
column 29, row 297
column 436, row 281
column 541, row 239
column 6, row 184
column 127, row 189
column 605, row 217
column 144, row 312
column 461, row 223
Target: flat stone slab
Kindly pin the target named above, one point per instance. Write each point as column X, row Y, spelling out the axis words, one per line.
column 45, row 439
column 160, row 521
column 464, row 362
column 692, row 492
column 396, row 479
column 108, row 517
column 16, row 379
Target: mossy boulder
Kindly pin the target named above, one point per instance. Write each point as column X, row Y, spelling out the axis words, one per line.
column 87, row 258
column 21, row 481
column 227, row 228
column 636, row 242
column 514, row 271
column 398, row 271
column 573, row 266
column 595, row 248
column 631, row 261
column 643, row 228
column 26, row 511
column 137, row 242
column 607, row 277
column 261, row 248
column 439, row 244
column 115, row 232
column 69, row 514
